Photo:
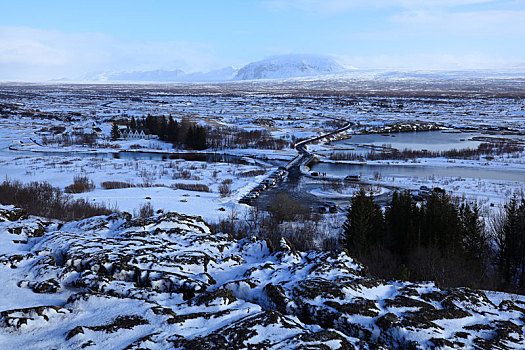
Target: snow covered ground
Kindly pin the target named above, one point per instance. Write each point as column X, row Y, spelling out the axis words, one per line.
column 31, row 112
column 167, row 282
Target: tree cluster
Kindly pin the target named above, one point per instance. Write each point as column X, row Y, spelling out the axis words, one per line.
column 439, row 240
column 238, row 138
column 186, row 134
column 190, row 135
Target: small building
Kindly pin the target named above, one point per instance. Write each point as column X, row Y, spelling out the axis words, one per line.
column 97, row 131
column 135, row 134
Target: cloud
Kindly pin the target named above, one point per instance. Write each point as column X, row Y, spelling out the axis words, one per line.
column 432, row 61
column 333, row 7
column 477, row 23
column 34, row 54
column 473, row 17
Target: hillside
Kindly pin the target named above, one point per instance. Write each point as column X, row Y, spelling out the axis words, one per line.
column 168, row 282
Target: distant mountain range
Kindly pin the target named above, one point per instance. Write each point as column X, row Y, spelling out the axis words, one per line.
column 277, row 67
column 166, row 76
column 304, row 67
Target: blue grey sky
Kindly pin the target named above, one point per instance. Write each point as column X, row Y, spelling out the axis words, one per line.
column 52, row 39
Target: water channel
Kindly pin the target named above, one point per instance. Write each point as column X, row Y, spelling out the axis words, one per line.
column 443, row 140
column 138, row 155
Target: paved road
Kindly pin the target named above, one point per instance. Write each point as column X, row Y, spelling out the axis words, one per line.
column 301, row 146
column 295, row 184
column 298, row 186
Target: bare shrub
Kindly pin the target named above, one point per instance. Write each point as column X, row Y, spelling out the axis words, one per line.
column 232, row 225
column 192, row 187
column 81, row 184
column 42, row 199
column 181, row 174
column 252, row 173
column 110, row 185
column 225, row 189
column 381, row 263
column 331, row 244
column 299, row 234
column 145, row 210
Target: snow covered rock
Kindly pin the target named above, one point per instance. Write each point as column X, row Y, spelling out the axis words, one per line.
column 168, row 282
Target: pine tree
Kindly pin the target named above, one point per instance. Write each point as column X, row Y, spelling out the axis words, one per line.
column 510, row 238
column 474, row 237
column 200, row 138
column 402, row 219
column 163, row 129
column 115, row 133
column 173, row 131
column 440, row 224
column 364, row 225
column 190, row 138
column 476, row 243
column 133, row 124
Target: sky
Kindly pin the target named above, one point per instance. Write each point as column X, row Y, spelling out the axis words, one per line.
column 52, row 39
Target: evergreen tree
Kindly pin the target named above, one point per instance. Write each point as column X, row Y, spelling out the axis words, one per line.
column 440, row 226
column 133, row 124
column 200, row 138
column 510, row 237
column 364, row 224
column 115, row 133
column 151, row 124
column 474, row 236
column 190, row 138
column 476, row 243
column 173, row 131
column 163, row 129
column 402, row 219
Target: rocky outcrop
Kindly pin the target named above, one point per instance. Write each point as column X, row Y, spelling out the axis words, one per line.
column 168, row 281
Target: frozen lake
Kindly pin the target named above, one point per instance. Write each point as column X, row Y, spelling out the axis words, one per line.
column 436, row 141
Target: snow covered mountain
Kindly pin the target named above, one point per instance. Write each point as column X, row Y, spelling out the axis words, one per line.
column 289, row 66
column 155, row 75
column 164, row 76
column 277, row 67
column 223, row 74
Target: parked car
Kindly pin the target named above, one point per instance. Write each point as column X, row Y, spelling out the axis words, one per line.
column 245, row 200
column 269, row 182
column 332, row 207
